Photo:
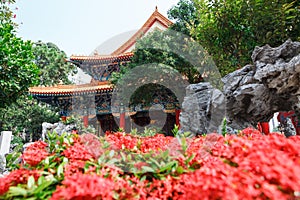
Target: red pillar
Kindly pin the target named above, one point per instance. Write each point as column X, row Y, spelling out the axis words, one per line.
column 177, row 114
column 122, row 121
column 264, row 127
column 298, row 130
column 85, row 121
column 63, row 118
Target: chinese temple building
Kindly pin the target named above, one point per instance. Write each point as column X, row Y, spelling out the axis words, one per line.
column 93, row 100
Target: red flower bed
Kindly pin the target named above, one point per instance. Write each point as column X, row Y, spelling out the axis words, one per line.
column 121, row 166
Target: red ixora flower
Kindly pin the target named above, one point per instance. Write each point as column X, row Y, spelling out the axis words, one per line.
column 77, row 152
column 92, row 144
column 35, row 153
column 74, row 167
column 84, row 186
column 37, row 145
column 19, row 176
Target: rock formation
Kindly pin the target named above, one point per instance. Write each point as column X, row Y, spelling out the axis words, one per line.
column 59, row 128
column 251, row 94
column 203, row 109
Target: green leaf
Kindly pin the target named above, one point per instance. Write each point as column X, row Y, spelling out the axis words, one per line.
column 60, row 170
column 154, row 161
column 147, row 169
column 65, row 160
column 30, row 182
column 101, row 159
column 123, row 156
column 143, row 178
column 31, row 198
column 180, row 170
column 41, row 180
column 190, row 158
column 112, row 161
column 17, row 191
column 44, row 185
column 168, row 166
column 47, row 161
column 116, row 195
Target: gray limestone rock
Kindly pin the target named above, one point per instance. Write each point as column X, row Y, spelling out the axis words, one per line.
column 202, row 109
column 272, row 84
column 250, row 95
column 288, row 128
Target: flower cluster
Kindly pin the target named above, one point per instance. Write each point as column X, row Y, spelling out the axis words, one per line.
column 121, row 140
column 84, row 186
column 77, row 152
column 16, row 177
column 35, row 153
column 92, row 144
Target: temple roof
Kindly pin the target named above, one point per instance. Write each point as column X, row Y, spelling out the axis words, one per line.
column 68, row 90
column 156, row 17
column 155, row 21
column 123, row 53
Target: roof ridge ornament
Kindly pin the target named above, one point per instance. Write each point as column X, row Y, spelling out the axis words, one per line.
column 156, row 9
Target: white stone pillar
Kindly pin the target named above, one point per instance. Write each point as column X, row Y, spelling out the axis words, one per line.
column 5, row 139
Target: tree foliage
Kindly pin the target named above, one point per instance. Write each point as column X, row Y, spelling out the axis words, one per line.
column 20, row 64
column 6, row 14
column 230, row 29
column 27, row 115
column 185, row 16
column 17, row 69
column 169, row 48
column 52, row 63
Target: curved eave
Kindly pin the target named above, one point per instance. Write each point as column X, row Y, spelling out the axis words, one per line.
column 60, row 91
column 100, row 59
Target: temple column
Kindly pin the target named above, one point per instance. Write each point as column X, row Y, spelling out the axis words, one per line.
column 264, row 127
column 177, row 114
column 122, row 117
column 86, row 121
column 63, row 118
column 122, row 120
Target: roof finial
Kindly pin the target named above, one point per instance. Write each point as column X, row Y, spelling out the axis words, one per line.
column 96, row 53
column 156, row 8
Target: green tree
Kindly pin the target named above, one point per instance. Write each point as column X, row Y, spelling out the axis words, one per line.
column 21, row 63
column 27, row 115
column 185, row 16
column 170, row 48
column 17, row 69
column 52, row 63
column 6, row 14
column 163, row 63
column 230, row 29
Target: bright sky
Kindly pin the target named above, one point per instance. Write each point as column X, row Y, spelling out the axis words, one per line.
column 80, row 26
